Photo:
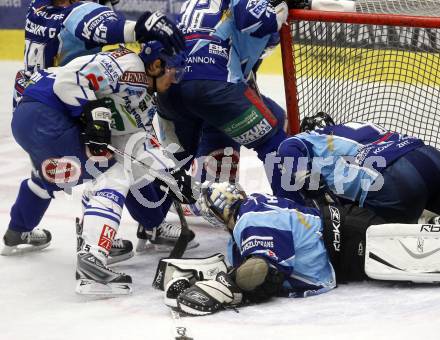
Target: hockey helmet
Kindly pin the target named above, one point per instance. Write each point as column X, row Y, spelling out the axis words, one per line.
column 154, row 50
column 219, row 202
column 317, row 121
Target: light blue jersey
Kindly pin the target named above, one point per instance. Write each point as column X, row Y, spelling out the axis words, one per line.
column 55, row 35
column 348, row 158
column 225, row 38
column 289, row 236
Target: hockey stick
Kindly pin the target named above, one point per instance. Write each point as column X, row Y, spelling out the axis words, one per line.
column 186, row 235
column 168, row 180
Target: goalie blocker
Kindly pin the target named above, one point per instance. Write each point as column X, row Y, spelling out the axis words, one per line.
column 361, row 246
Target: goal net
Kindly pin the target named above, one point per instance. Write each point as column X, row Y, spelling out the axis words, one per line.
column 380, row 64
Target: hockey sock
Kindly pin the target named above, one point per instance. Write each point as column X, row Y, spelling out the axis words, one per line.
column 30, row 206
column 102, row 216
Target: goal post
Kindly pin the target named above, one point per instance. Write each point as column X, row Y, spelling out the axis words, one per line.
column 365, row 66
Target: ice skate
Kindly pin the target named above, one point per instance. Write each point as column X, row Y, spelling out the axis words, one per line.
column 161, row 238
column 93, row 277
column 16, row 242
column 121, row 249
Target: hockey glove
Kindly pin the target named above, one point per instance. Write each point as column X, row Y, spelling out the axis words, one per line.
column 258, row 280
column 207, row 297
column 184, row 190
column 156, row 26
column 97, row 119
column 281, row 11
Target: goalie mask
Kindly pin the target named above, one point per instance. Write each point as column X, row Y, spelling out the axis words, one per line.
column 317, row 121
column 219, row 202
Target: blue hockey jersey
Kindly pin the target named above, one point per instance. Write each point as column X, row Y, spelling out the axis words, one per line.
column 348, row 158
column 289, row 236
column 225, row 38
column 55, row 35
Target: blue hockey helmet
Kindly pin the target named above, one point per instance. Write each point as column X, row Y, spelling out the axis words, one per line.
column 154, row 50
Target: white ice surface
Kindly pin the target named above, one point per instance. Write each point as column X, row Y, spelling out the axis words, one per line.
column 37, row 299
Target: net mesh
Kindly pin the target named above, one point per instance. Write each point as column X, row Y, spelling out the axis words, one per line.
column 382, row 74
column 407, row 7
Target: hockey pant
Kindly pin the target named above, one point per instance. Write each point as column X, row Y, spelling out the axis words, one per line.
column 411, row 184
column 345, row 228
column 233, row 109
column 52, row 140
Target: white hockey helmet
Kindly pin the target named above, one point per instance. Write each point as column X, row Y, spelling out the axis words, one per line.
column 219, row 202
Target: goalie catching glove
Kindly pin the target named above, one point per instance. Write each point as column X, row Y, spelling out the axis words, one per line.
column 210, row 296
column 97, row 131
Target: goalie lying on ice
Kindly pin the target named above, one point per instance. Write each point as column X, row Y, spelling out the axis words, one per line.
column 281, row 248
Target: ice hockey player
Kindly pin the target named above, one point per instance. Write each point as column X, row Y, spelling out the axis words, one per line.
column 57, row 31
column 217, row 157
column 395, row 175
column 281, row 248
column 63, row 122
column 223, row 47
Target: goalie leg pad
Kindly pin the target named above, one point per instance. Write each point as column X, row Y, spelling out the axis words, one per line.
column 195, row 269
column 403, row 252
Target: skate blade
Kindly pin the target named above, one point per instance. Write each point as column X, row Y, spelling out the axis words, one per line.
column 90, row 287
column 161, row 248
column 17, row 250
column 116, row 259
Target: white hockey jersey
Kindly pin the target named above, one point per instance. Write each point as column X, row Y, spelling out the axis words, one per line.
column 118, row 75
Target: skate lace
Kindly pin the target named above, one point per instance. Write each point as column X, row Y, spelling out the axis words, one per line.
column 35, row 234
column 26, row 236
column 118, row 243
column 169, row 230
